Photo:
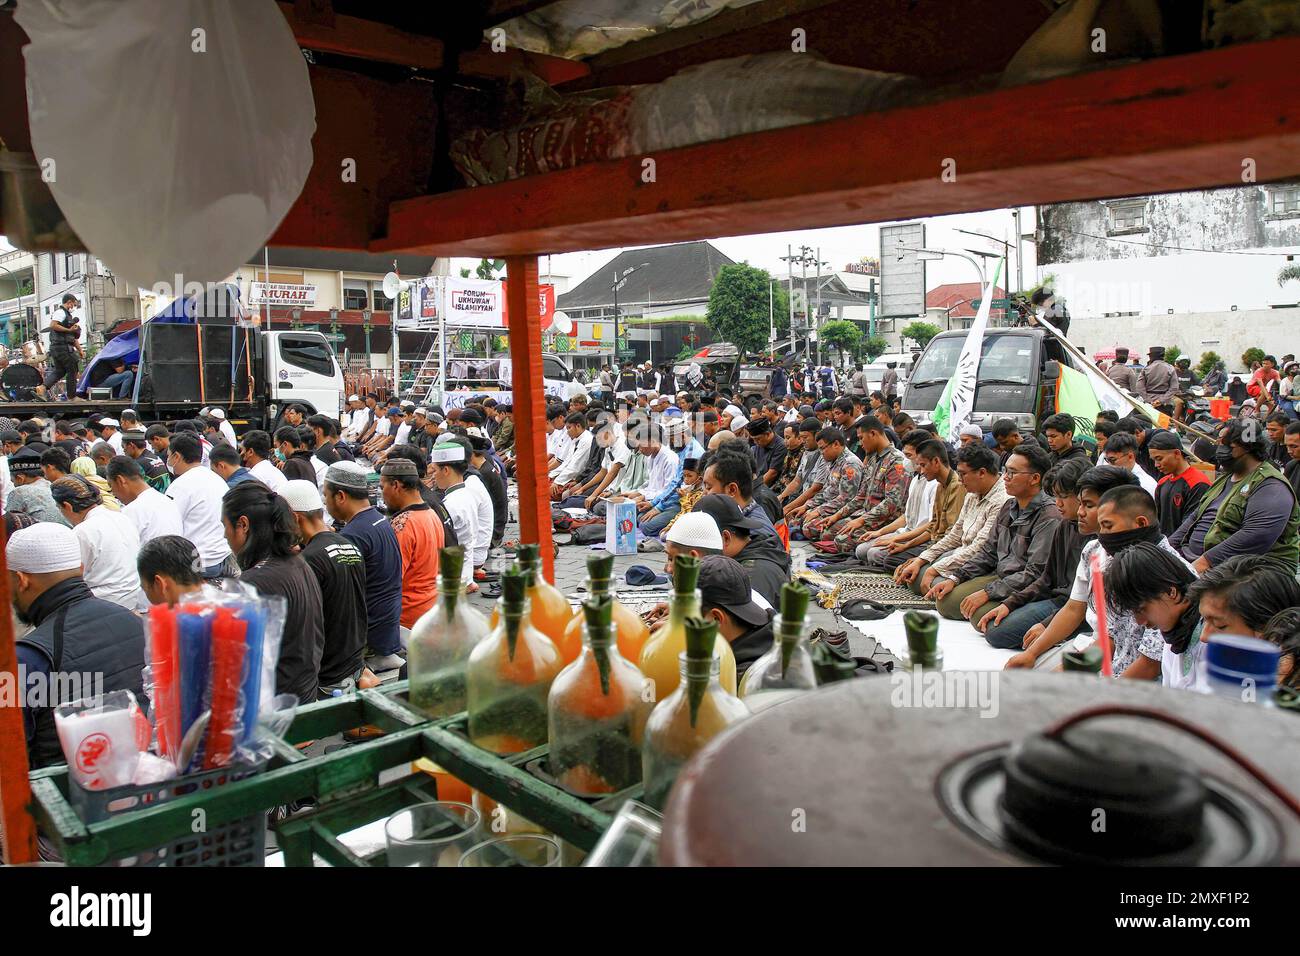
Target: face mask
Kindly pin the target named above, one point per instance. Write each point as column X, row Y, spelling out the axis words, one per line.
column 1116, row 541
column 1223, row 457
column 279, row 455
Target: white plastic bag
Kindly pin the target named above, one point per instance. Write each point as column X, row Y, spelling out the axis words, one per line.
column 177, row 132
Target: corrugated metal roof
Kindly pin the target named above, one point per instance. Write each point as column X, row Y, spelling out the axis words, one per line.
column 959, row 294
column 293, row 257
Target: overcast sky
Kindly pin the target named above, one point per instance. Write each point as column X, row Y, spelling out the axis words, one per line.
column 838, row 246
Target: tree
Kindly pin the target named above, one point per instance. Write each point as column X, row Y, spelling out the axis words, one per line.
column 1207, row 363
column 488, row 268
column 1252, row 355
column 1172, row 353
column 920, row 332
column 738, row 306
column 1289, row 273
column 873, row 346
column 841, row 335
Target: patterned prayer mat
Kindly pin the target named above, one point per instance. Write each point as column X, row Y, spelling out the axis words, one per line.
column 851, row 585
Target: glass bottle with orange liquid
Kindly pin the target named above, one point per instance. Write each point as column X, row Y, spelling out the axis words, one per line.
column 688, row 718
column 596, row 711
column 509, row 674
column 659, row 656
column 550, row 611
column 630, row 631
column 787, row 667
column 441, row 641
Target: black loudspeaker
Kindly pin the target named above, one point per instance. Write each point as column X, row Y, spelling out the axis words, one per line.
column 177, row 352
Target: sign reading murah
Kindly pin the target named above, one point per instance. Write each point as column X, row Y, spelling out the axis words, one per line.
column 281, row 293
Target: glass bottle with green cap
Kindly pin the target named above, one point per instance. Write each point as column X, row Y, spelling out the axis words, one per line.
column 509, row 675
column 659, row 656
column 688, row 718
column 597, row 711
column 549, row 610
column 630, row 631
column 787, row 667
column 441, row 641
column 923, row 650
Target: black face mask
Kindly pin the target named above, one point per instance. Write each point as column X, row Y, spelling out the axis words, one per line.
column 1223, row 457
column 1116, row 541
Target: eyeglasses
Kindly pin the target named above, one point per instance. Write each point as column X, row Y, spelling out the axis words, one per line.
column 1009, row 473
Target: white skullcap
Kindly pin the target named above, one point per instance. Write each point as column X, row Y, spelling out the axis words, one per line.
column 301, row 495
column 738, row 422
column 348, row 474
column 695, row 529
column 217, row 414
column 108, row 422
column 43, row 548
column 354, row 398
column 422, row 411
column 734, row 411
column 452, row 451
column 973, row 430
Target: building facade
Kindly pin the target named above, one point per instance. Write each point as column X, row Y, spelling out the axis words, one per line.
column 1196, row 270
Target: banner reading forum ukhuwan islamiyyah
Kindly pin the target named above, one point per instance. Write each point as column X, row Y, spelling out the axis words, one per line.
column 478, row 303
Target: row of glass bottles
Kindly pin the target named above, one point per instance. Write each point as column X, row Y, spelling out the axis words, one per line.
column 597, row 710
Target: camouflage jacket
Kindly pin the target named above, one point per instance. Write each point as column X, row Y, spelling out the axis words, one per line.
column 842, row 484
column 884, row 488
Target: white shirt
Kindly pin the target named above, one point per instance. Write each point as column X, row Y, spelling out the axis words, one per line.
column 462, row 508
column 115, row 440
column 153, row 514
column 383, row 426
column 403, row 433
column 483, row 506
column 573, row 465
column 661, row 470
column 920, row 502
column 321, row 468
column 109, row 546
column 1183, row 671
column 228, row 432
column 1146, row 481
column 198, row 495
column 266, row 472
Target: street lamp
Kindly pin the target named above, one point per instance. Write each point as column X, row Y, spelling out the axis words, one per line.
column 619, row 281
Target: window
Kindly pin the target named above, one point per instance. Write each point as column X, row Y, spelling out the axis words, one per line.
column 555, row 369
column 1284, row 201
column 71, row 265
column 307, row 352
column 354, row 298
column 1127, row 217
column 382, row 302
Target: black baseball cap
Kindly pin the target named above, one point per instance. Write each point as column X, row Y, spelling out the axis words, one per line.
column 724, row 510
column 724, row 583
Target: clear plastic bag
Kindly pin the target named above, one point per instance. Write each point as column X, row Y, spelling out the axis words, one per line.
column 211, row 678
column 179, row 131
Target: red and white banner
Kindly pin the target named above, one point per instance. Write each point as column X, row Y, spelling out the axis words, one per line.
column 474, row 303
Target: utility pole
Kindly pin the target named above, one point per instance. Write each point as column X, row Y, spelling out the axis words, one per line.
column 807, row 317
column 1020, row 274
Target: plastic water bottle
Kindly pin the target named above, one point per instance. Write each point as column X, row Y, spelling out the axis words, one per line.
column 1243, row 668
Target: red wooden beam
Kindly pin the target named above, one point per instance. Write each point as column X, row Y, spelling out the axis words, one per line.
column 364, row 39
column 387, row 131
column 530, row 408
column 17, row 825
column 1175, row 123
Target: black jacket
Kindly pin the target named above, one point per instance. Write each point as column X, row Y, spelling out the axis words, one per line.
column 767, row 564
column 1057, row 578
column 1075, row 451
column 752, row 645
column 80, row 634
column 496, row 489
column 299, row 466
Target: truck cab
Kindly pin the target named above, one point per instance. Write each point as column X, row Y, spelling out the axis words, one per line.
column 301, row 367
column 1017, row 376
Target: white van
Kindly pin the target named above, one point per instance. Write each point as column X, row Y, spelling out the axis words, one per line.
column 876, row 370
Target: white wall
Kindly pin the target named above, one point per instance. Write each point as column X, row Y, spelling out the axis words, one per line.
column 1276, row 331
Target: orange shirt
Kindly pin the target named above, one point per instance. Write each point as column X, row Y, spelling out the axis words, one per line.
column 419, row 537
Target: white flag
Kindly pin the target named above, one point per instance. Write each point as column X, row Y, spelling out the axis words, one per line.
column 962, row 394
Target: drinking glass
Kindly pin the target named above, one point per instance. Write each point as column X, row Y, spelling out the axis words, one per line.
column 523, row 849
column 631, row 840
column 431, row 834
